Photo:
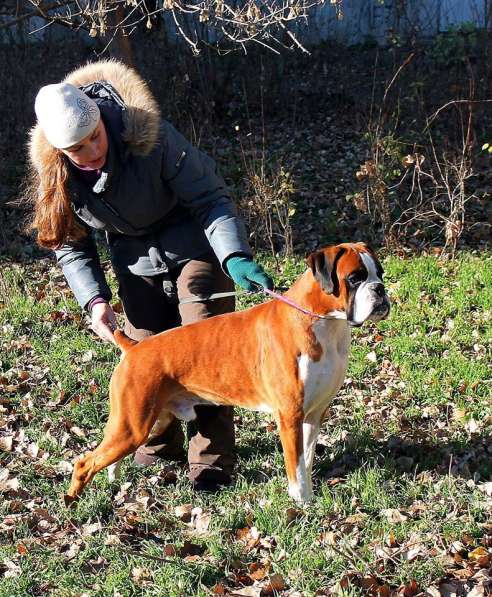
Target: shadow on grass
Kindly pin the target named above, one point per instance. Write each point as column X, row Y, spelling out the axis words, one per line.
column 465, row 459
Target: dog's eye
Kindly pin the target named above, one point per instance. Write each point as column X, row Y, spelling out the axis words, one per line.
column 356, row 278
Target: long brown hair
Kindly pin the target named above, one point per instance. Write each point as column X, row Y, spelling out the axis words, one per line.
column 53, row 217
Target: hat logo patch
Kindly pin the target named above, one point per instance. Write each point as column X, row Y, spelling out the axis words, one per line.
column 88, row 114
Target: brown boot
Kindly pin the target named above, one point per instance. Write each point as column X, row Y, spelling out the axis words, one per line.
column 210, row 451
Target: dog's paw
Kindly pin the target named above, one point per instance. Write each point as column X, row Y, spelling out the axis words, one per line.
column 69, row 500
column 301, row 495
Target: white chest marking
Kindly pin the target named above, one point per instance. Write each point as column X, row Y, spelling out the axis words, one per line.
column 322, row 379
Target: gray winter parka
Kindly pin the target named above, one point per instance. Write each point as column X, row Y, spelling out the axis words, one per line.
column 159, row 200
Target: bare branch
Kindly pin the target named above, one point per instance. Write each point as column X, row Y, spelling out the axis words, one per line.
column 232, row 23
column 454, row 102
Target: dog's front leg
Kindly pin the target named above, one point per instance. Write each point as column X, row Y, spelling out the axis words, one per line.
column 291, row 436
column 310, row 432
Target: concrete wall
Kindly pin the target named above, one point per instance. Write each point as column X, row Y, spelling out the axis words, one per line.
column 381, row 19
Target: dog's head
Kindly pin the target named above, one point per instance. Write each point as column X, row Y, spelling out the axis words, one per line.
column 352, row 275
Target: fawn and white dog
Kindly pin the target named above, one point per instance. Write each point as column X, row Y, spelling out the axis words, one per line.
column 271, row 358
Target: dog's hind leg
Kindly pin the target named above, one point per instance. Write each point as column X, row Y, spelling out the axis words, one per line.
column 122, row 436
column 163, row 421
column 291, row 436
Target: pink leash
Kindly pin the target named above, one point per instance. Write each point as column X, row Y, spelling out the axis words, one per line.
column 288, row 301
column 272, row 293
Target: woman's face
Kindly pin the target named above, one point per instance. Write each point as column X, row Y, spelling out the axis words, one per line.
column 92, row 151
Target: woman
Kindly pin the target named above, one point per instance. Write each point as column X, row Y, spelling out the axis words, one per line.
column 103, row 159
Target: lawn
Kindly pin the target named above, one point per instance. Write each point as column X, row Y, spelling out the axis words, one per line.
column 403, row 474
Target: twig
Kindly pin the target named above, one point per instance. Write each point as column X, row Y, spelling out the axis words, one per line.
column 464, row 101
column 407, row 60
column 294, row 39
column 34, row 13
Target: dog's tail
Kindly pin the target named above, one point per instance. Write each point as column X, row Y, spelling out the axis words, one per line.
column 123, row 341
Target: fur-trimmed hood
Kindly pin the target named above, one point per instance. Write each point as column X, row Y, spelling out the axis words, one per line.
column 141, row 118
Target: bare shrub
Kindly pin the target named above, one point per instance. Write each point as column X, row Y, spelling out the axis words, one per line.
column 440, row 188
column 266, row 202
column 423, row 192
column 431, row 191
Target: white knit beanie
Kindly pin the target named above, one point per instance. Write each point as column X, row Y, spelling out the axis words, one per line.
column 66, row 114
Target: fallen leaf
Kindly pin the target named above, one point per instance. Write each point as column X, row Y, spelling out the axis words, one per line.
column 9, row 484
column 168, row 475
column 183, row 512
column 191, row 549
column 70, row 550
column 141, row 576
column 6, row 443
column 276, row 583
column 486, row 488
column 10, row 569
column 394, row 516
column 170, row 550
column 457, row 547
column 200, row 520
column 94, row 566
column 91, row 529
column 410, row 589
column 32, row 450
column 64, row 467
column 248, row 535
column 78, row 432
column 293, row 514
column 93, row 387
column 247, row 592
column 369, row 582
column 328, row 537
column 481, row 556
column 356, row 519
column 88, row 356
column 257, row 571
column 479, row 590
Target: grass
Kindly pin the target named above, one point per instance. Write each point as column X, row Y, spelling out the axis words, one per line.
column 401, row 457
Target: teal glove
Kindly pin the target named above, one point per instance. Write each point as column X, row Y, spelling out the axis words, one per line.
column 247, row 273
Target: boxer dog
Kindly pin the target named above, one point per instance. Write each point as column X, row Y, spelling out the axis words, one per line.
column 273, row 358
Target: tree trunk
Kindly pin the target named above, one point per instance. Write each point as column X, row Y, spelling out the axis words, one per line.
column 121, row 46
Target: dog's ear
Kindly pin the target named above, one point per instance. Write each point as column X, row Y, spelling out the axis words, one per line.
column 323, row 266
column 367, row 248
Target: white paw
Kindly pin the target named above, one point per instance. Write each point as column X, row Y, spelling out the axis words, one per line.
column 299, row 493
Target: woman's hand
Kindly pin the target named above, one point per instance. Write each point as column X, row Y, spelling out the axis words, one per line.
column 104, row 321
column 247, row 273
